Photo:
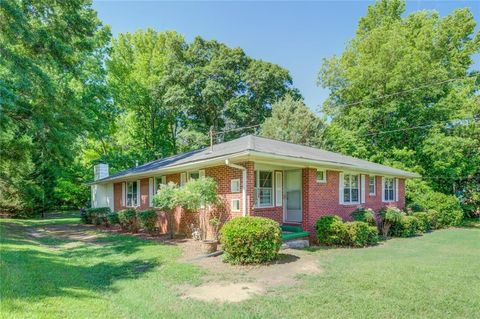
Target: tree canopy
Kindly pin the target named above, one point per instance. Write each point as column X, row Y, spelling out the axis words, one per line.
column 403, row 93
column 292, row 121
column 53, row 92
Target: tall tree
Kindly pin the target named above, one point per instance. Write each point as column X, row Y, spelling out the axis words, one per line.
column 403, row 91
column 52, row 92
column 169, row 93
column 294, row 122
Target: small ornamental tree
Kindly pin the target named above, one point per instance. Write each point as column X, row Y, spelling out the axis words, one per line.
column 198, row 194
column 166, row 200
column 390, row 216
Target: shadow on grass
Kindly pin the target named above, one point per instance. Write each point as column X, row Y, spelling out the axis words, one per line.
column 33, row 265
column 33, row 274
column 471, row 223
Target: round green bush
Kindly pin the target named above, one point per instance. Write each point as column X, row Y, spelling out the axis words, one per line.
column 148, row 219
column 113, row 218
column 423, row 221
column 250, row 240
column 415, row 207
column 366, row 215
column 128, row 219
column 360, row 234
column 98, row 216
column 331, row 230
column 432, row 218
column 406, row 227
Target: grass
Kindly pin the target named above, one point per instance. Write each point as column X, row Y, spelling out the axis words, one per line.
column 116, row 276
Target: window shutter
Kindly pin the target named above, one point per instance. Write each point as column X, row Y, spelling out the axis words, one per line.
column 340, row 188
column 201, row 173
column 278, row 188
column 164, row 180
column 383, row 189
column 396, row 189
column 362, row 188
column 138, row 193
column 124, row 194
column 183, row 178
column 151, row 191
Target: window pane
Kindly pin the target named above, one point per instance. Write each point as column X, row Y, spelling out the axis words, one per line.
column 354, row 181
column 320, row 176
column 355, row 194
column 346, row 181
column 265, row 196
column 391, row 194
column 346, row 195
column 265, row 179
column 194, row 175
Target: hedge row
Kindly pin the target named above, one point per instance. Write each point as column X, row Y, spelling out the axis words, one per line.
column 332, row 230
column 129, row 219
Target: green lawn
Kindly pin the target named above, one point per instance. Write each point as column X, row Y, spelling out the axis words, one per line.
column 433, row 276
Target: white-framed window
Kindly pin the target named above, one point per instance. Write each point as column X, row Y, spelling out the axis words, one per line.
column 235, row 185
column 263, row 190
column 132, row 194
column 351, row 188
column 321, row 176
column 235, row 205
column 371, row 185
column 388, row 189
column 194, row 175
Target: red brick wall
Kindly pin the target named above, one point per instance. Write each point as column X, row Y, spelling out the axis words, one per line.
column 318, row 198
column 117, row 196
column 323, row 198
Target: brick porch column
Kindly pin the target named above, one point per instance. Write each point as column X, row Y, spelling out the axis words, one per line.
column 250, row 187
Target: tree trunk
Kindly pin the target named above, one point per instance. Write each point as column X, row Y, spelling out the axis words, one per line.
column 170, row 223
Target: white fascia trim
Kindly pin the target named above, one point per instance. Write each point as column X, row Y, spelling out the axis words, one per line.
column 328, row 164
column 175, row 168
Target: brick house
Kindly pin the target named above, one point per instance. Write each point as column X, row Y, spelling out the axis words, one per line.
column 290, row 183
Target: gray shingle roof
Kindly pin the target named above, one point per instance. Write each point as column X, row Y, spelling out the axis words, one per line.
column 265, row 146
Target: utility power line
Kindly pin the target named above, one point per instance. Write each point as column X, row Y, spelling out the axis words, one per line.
column 405, row 91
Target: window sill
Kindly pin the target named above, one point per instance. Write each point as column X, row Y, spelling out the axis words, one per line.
column 350, row 204
column 265, row 207
column 372, row 194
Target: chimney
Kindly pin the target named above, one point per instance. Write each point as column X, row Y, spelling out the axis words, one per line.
column 100, row 171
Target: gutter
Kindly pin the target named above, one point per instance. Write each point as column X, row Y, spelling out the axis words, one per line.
column 244, row 184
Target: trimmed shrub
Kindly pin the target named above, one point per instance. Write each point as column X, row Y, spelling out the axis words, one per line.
column 390, row 216
column 128, row 219
column 432, row 218
column 85, row 216
column 447, row 206
column 113, row 218
column 331, row 230
column 98, row 216
column 366, row 215
column 415, row 207
column 406, row 227
column 423, row 222
column 250, row 240
column 360, row 234
column 148, row 220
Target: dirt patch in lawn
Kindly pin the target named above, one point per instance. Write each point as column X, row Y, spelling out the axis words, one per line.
column 227, row 283
column 64, row 236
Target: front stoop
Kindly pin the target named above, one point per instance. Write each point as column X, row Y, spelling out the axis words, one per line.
column 295, row 244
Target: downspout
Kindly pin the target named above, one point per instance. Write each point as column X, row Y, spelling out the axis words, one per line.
column 244, row 184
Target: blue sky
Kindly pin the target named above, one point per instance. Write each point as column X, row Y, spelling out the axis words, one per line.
column 296, row 35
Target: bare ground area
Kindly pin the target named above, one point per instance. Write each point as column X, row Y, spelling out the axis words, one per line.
column 228, row 283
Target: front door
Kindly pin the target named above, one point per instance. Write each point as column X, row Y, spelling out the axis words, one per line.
column 293, row 196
